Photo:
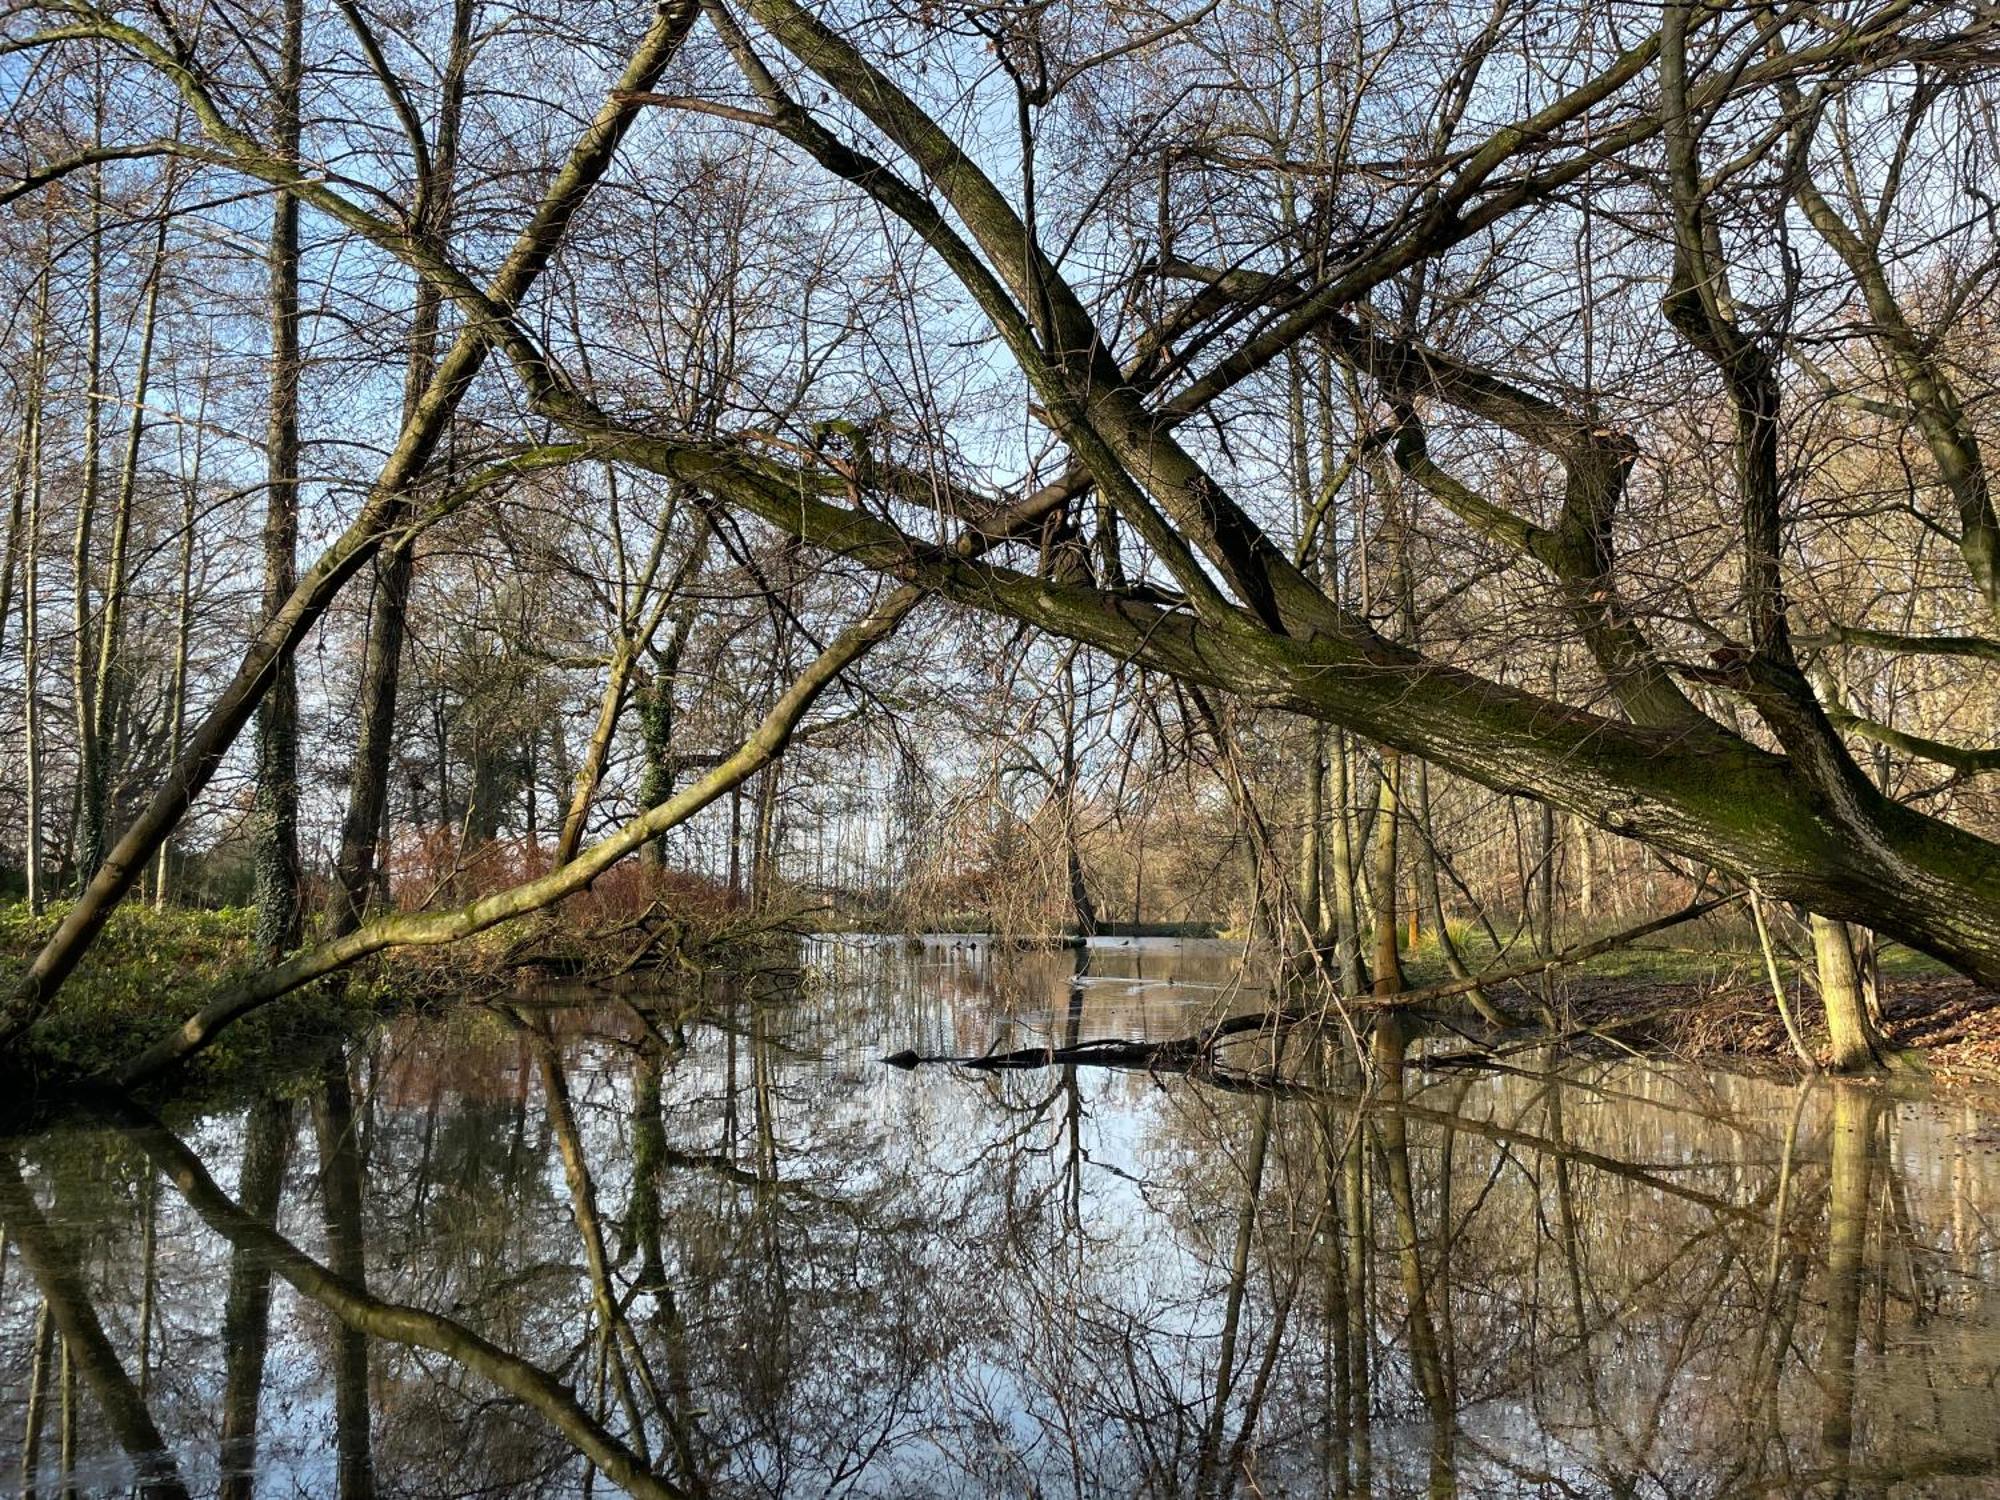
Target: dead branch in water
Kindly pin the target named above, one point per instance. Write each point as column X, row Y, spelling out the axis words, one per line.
column 1197, row 1050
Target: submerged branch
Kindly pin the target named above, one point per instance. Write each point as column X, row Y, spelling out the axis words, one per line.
column 1197, row 1049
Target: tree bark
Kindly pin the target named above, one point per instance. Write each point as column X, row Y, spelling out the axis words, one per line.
column 31, row 590
column 87, row 834
column 1388, row 963
column 1856, row 1046
column 277, row 856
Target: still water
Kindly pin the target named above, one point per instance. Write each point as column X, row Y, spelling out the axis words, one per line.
column 716, row 1247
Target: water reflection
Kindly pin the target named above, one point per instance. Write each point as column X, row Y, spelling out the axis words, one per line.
column 716, row 1248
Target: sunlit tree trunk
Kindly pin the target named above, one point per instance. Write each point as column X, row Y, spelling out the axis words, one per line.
column 1855, row 1043
column 1346, row 912
column 763, row 838
column 177, row 688
column 1545, row 877
column 1586, row 870
column 17, row 499
column 1082, row 909
column 1312, row 823
column 1388, row 963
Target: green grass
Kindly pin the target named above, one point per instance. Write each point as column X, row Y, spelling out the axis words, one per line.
column 150, row 970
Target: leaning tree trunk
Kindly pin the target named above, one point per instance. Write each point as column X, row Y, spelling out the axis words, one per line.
column 385, row 511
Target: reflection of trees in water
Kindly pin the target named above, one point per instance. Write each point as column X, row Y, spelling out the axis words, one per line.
column 565, row 1249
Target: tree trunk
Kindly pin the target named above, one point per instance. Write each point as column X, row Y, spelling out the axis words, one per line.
column 1431, row 894
column 31, row 589
column 110, row 626
column 1545, row 878
column 1856, row 1045
column 357, row 866
column 1346, row 913
column 177, row 689
column 277, row 858
column 635, row 639
column 763, row 838
column 87, row 834
column 385, row 510
column 1382, row 883
column 1586, row 871
column 1312, row 820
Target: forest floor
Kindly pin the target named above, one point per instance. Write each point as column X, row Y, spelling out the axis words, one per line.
column 1716, row 1004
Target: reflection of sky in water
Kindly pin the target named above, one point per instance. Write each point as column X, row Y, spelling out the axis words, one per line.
column 889, row 1282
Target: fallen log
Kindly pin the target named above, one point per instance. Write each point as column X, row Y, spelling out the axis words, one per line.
column 1190, row 1051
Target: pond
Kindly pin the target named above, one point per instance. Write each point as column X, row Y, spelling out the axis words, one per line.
column 715, row 1246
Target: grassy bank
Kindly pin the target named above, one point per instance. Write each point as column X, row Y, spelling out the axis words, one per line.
column 149, row 971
